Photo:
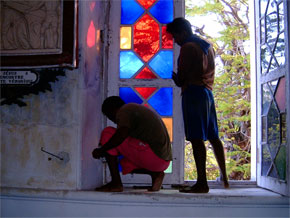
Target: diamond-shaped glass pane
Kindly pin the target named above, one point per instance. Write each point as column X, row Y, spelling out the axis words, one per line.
column 266, row 98
column 130, row 11
column 273, row 129
column 280, row 162
column 146, row 37
column 145, row 92
column 146, row 74
column 162, row 101
column 129, row 64
column 162, row 64
column 266, row 160
column 163, row 11
column 129, row 96
column 146, row 3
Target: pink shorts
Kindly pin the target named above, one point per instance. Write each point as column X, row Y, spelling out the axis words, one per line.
column 137, row 154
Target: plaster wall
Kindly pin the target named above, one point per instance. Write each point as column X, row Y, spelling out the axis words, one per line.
column 68, row 119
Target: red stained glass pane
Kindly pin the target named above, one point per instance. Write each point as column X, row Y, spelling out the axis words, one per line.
column 146, row 37
column 145, row 74
column 167, row 40
column 146, row 3
column 145, row 92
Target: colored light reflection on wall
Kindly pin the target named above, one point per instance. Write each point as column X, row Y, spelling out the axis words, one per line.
column 125, row 37
column 91, row 35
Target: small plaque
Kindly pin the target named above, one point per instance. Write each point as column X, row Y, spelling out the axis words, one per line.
column 18, row 77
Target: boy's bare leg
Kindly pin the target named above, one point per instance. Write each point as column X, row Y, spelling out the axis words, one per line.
column 220, row 157
column 157, row 178
column 199, row 153
column 116, row 184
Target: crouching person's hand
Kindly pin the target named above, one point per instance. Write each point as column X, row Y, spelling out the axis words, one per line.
column 98, row 153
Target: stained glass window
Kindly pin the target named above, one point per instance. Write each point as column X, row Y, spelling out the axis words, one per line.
column 146, row 55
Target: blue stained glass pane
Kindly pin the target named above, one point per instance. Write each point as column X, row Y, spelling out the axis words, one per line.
column 130, row 11
column 162, row 64
column 163, row 11
column 129, row 64
column 129, row 96
column 162, row 101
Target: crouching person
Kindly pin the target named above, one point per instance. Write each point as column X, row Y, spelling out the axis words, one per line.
column 140, row 137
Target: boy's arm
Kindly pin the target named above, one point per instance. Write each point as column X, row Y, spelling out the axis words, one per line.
column 120, row 135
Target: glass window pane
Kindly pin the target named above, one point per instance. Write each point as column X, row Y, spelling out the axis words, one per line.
column 273, row 129
column 283, row 128
column 168, row 123
column 125, row 37
column 266, row 160
column 162, row 101
column 162, row 64
column 279, row 52
column 129, row 96
column 130, row 11
column 146, row 37
column 146, row 3
column 146, row 74
column 280, row 162
column 281, row 16
column 263, row 6
column 266, row 98
column 169, row 169
column 129, row 64
column 273, row 173
column 167, row 40
column 264, row 129
column 265, row 59
column 163, row 11
column 145, row 92
column 280, row 95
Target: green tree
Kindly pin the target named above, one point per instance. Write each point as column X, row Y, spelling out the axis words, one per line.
column 232, row 82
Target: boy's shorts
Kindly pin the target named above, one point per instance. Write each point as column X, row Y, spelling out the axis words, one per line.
column 136, row 154
column 199, row 114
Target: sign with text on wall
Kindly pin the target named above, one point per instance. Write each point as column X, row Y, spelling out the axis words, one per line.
column 18, row 78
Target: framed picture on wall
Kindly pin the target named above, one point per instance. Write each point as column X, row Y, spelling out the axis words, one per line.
column 38, row 34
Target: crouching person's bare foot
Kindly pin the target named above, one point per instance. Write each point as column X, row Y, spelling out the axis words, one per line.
column 110, row 187
column 157, row 179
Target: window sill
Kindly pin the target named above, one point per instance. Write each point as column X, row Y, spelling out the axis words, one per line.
column 246, row 202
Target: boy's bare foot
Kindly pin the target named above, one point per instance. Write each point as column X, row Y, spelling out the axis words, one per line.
column 197, row 188
column 226, row 184
column 157, row 179
column 110, row 187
